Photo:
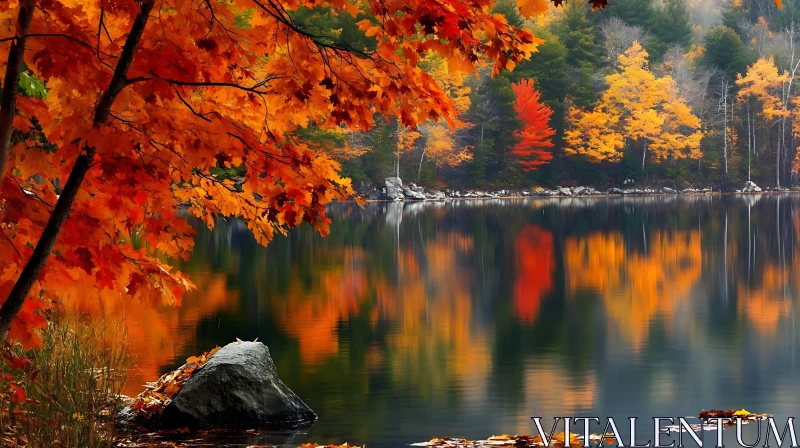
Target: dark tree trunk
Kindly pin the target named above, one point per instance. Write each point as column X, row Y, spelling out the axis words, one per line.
column 8, row 106
column 44, row 246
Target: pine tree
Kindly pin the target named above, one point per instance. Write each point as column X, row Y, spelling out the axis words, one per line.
column 725, row 51
column 578, row 34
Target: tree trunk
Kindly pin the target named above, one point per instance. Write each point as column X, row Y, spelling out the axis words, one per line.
column 644, row 154
column 8, row 106
column 725, row 125
column 44, row 246
column 480, row 147
column 419, row 169
column 749, row 142
column 778, row 165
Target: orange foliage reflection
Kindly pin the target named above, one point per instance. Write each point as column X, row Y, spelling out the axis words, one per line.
column 431, row 302
column 763, row 307
column 155, row 335
column 636, row 286
column 310, row 314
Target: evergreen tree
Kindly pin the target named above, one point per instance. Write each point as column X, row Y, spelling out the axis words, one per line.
column 579, row 35
column 546, row 67
column 673, row 24
column 633, row 12
column 491, row 136
column 725, row 51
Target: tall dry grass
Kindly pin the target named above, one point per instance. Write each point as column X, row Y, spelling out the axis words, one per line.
column 73, row 387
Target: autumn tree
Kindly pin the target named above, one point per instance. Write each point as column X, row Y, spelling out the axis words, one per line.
column 762, row 88
column 638, row 108
column 145, row 98
column 536, row 134
column 441, row 145
column 618, row 36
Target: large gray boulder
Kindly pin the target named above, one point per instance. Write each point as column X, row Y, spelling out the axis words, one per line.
column 394, row 188
column 237, row 387
column 751, row 187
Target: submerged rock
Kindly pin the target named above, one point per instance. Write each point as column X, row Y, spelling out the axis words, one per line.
column 237, row 387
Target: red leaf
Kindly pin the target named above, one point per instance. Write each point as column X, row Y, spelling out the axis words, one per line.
column 17, row 393
column 83, row 258
column 140, row 198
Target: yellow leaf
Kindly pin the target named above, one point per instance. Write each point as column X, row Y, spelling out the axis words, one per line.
column 531, row 8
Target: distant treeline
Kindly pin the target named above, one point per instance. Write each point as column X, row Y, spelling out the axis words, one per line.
column 680, row 92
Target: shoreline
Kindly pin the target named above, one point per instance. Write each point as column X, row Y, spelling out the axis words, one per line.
column 601, row 195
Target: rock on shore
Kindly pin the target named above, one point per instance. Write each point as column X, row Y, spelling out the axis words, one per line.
column 395, row 190
column 237, row 387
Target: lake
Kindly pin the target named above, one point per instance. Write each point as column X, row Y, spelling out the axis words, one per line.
column 466, row 318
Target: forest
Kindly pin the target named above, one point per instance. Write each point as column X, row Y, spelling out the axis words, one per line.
column 674, row 92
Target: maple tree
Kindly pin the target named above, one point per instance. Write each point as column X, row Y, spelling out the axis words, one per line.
column 144, row 100
column 535, row 135
column 637, row 107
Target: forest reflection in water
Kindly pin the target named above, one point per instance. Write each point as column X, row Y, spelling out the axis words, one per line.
column 466, row 318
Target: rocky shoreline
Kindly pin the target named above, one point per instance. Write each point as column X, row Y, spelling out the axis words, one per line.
column 395, row 190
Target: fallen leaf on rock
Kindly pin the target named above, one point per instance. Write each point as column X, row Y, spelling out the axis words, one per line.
column 159, row 394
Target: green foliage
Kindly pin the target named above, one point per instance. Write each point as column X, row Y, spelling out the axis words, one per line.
column 546, row 67
column 579, row 35
column 725, row 51
column 375, row 165
column 333, row 27
column 223, row 173
column 508, row 8
column 31, row 86
column 634, row 12
column 672, row 26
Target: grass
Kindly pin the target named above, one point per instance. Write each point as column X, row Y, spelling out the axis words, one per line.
column 72, row 384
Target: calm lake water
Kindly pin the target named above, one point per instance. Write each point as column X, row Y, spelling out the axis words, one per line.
column 467, row 318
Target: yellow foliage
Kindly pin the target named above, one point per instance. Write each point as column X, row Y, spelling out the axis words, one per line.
column 593, row 136
column 764, row 82
column 637, row 106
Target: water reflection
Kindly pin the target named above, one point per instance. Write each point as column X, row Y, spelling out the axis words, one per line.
column 466, row 318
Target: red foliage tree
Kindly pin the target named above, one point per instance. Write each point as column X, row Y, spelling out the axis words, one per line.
column 535, row 135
